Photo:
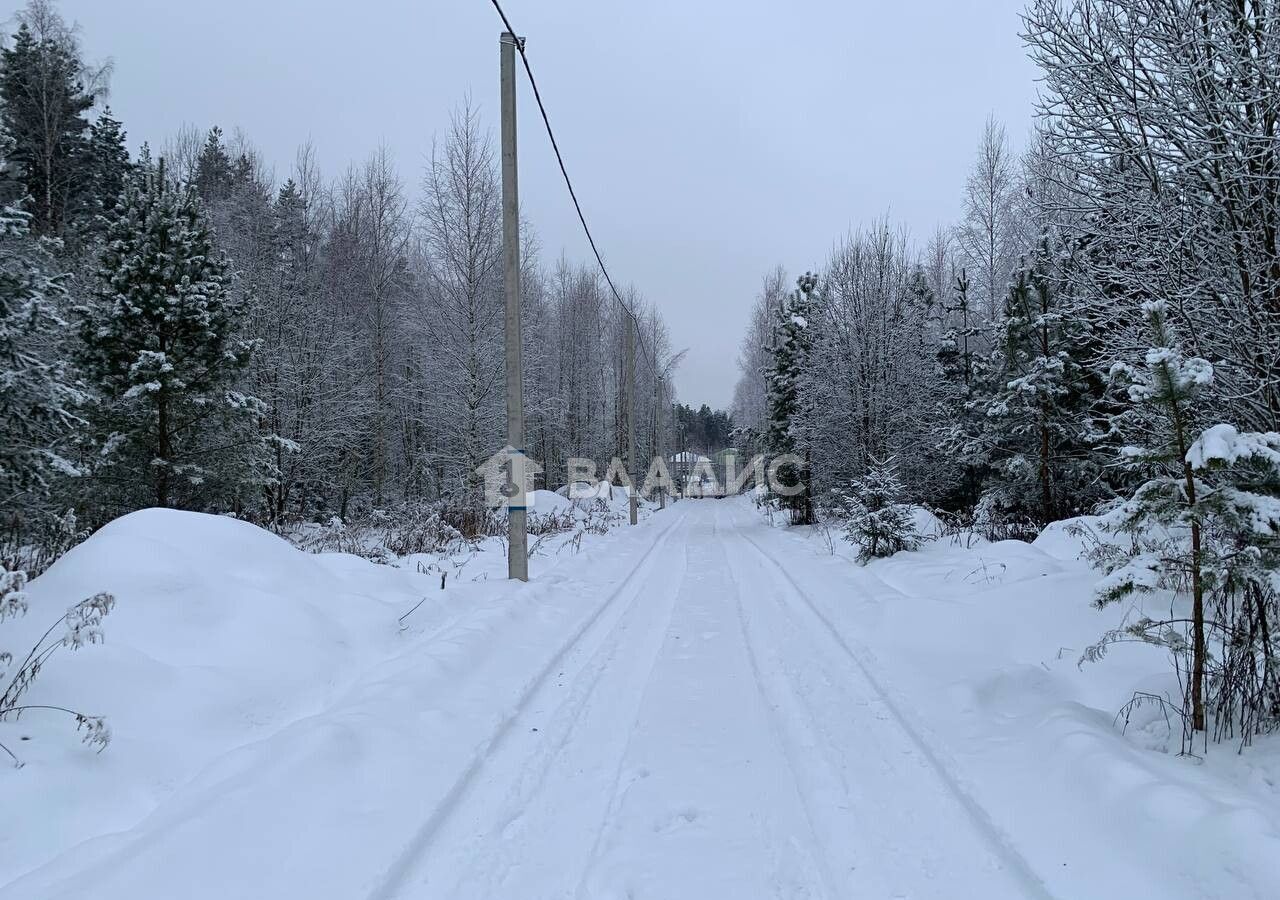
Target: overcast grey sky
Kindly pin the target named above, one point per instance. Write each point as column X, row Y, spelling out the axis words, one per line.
column 709, row 140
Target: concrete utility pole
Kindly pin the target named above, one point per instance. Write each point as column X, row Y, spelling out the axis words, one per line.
column 517, row 511
column 629, row 377
column 658, row 443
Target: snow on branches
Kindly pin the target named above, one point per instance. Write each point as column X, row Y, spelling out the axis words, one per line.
column 879, row 521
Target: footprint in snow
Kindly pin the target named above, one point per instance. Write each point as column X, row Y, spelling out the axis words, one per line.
column 677, row 821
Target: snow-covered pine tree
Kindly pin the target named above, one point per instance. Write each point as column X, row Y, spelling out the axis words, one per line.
column 160, row 343
column 1239, row 497
column 787, row 403
column 1037, row 397
column 878, row 518
column 1205, row 523
column 1165, row 517
column 37, row 397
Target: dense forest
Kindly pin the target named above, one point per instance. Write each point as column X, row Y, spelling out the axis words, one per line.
column 1100, row 333
column 180, row 327
column 703, row 430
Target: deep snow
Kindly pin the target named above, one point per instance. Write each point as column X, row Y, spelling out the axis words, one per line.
column 702, row 706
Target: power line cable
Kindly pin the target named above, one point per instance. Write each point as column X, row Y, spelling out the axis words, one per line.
column 573, row 195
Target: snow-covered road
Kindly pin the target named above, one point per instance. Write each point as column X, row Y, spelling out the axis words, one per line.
column 711, row 736
column 700, row 707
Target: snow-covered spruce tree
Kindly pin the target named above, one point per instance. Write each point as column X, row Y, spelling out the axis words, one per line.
column 787, row 403
column 931, row 476
column 107, row 161
column 1166, row 516
column 159, row 343
column 37, row 397
column 879, row 520
column 1037, row 398
column 214, row 173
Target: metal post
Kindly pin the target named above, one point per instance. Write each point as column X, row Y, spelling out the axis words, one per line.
column 517, row 515
column 629, row 376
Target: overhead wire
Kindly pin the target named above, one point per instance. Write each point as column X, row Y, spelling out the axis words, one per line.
column 573, row 195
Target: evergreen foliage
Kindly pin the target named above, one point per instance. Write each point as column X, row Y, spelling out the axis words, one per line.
column 43, row 101
column 962, row 382
column 38, row 398
column 107, row 165
column 878, row 518
column 1035, row 400
column 787, row 402
column 161, row 342
column 1205, row 522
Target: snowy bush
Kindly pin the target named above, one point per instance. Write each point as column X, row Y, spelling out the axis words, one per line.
column 878, row 521
column 421, row 529
column 552, row 522
column 597, row 516
column 1000, row 516
column 382, row 535
column 81, row 626
column 33, row 542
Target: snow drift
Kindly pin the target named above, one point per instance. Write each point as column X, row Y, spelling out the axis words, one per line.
column 249, row 682
column 222, row 633
column 984, row 640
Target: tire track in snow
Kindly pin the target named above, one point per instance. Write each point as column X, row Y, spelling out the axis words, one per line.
column 617, row 791
column 389, row 886
column 569, row 728
column 868, row 801
column 821, row 861
column 981, row 819
column 714, row 810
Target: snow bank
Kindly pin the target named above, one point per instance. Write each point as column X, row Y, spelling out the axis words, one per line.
column 587, row 490
column 247, row 681
column 927, row 524
column 542, row 502
column 1063, row 540
column 222, row 633
column 984, row 641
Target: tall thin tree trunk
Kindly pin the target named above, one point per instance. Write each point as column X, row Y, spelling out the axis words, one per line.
column 163, row 450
